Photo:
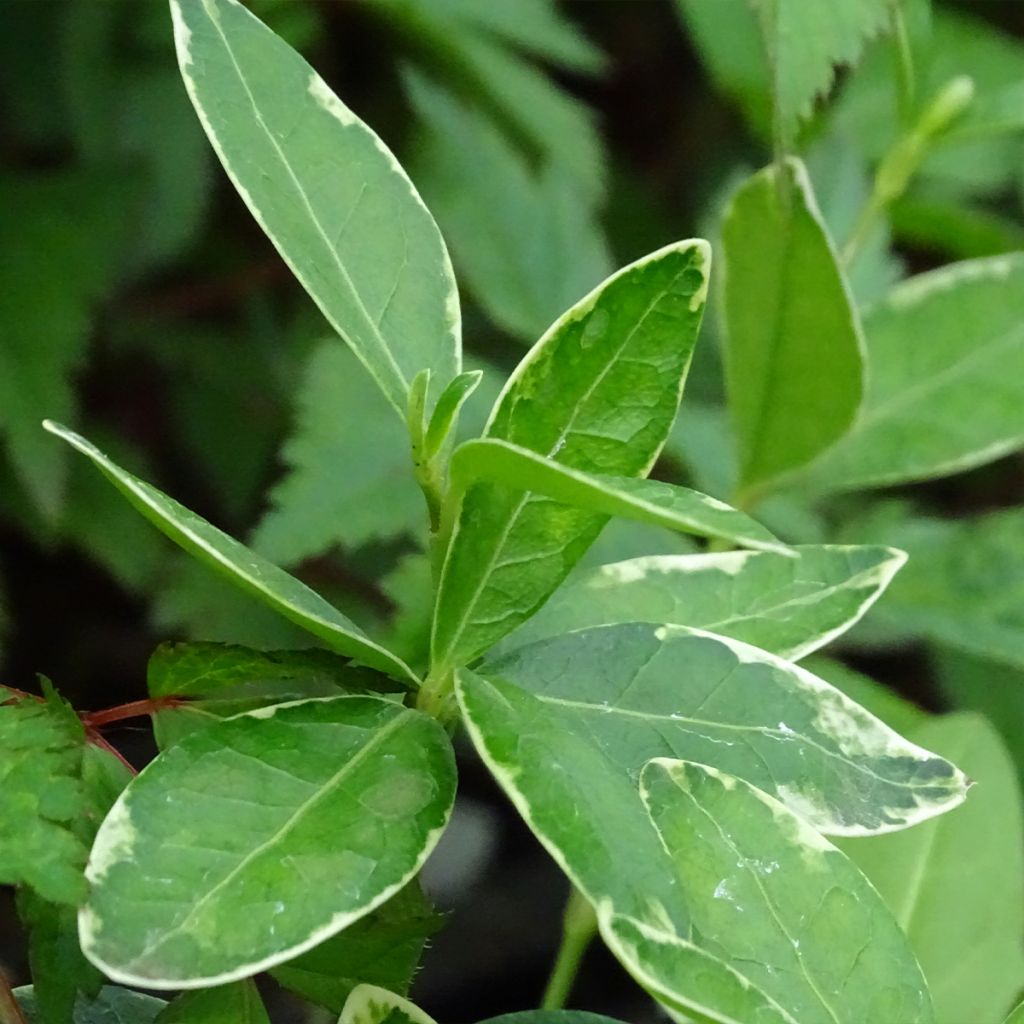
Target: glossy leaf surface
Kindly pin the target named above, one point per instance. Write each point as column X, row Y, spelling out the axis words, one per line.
column 934, row 344
column 328, row 192
column 794, row 352
column 789, row 606
column 956, row 884
column 646, row 501
column 382, row 949
column 256, row 839
column 598, row 393
column 643, row 691
column 702, row 885
column 240, row 565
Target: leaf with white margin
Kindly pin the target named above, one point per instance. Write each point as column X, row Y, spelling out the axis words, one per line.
column 255, row 839
column 646, row 501
column 242, row 566
column 966, row 867
column 551, row 1017
column 785, row 605
column 369, row 1004
column 327, row 191
column 934, row 344
column 794, row 355
column 641, row 690
column 590, row 817
column 795, row 916
column 597, row 393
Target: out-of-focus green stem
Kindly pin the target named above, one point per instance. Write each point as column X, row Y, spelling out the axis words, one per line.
column 578, row 927
column 900, row 164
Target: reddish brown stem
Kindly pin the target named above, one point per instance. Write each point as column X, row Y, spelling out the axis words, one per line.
column 10, row 1012
column 98, row 741
column 136, row 709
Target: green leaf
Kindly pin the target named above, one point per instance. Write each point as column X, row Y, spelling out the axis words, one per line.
column 647, row 501
column 264, row 835
column 598, row 394
column 345, row 485
column 794, row 353
column 41, row 796
column 446, row 412
column 963, row 585
column 208, row 670
column 327, row 191
column 112, row 1006
column 643, row 691
column 883, row 703
column 369, row 1004
column 545, row 120
column 526, row 240
column 714, row 910
column 551, row 1017
column 66, row 231
column 956, row 884
column 1017, row 1017
column 59, row 970
column 383, row 948
column 787, row 606
column 730, row 44
column 805, row 40
column 238, row 1003
column 934, row 344
column 242, row 566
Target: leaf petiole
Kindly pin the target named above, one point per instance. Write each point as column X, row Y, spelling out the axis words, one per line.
column 579, row 924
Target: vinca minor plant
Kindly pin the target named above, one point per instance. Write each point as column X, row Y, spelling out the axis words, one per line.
column 648, row 719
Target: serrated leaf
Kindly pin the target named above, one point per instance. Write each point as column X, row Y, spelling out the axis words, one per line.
column 369, row 1004
column 240, row 565
column 59, row 970
column 966, row 867
column 328, row 192
column 646, row 501
column 383, row 949
column 526, row 240
column 934, row 344
column 597, row 393
column 794, row 352
column 789, row 606
column 113, row 1005
column 643, row 691
column 239, row 1003
column 542, row 117
column 799, row 942
column 61, row 237
column 805, row 40
column 346, row 485
column 41, row 797
column 264, row 835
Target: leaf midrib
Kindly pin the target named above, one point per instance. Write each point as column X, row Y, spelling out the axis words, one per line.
column 374, row 329
column 375, row 740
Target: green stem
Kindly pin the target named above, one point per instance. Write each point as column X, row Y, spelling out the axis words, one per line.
column 900, row 164
column 578, row 927
column 905, row 71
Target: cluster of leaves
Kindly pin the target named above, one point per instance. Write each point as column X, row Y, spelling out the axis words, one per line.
column 645, row 715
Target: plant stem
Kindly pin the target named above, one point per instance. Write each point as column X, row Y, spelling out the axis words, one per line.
column 10, row 1012
column 900, row 164
column 905, row 70
column 578, row 927
column 136, row 709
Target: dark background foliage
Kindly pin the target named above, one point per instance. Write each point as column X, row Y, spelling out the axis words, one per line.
column 139, row 299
